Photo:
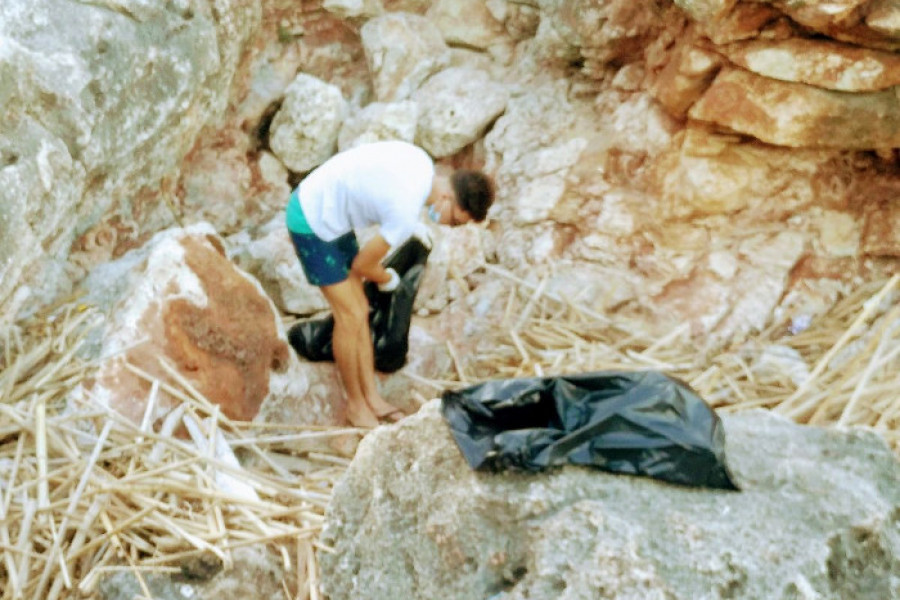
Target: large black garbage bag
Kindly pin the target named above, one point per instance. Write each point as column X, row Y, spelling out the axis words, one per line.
column 640, row 423
column 390, row 314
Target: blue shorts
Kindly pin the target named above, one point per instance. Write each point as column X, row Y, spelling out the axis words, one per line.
column 324, row 263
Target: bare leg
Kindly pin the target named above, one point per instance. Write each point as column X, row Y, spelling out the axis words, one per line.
column 377, row 404
column 350, row 325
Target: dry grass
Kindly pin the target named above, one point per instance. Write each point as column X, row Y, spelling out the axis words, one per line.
column 843, row 370
column 84, row 493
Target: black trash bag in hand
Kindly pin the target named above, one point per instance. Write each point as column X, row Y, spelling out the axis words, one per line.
column 639, row 423
column 390, row 314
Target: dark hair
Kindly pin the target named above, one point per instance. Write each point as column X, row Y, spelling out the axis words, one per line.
column 474, row 192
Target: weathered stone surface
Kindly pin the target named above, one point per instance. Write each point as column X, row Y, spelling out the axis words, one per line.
column 467, row 22
column 734, row 293
column 305, row 130
column 257, row 572
column 402, row 50
column 816, row 517
column 705, row 10
column 271, row 258
column 884, row 17
column 745, row 20
column 220, row 187
column 181, row 301
column 596, row 33
column 380, row 121
column 349, row 9
column 457, row 253
column 819, row 63
column 685, row 77
column 881, row 228
column 457, row 105
column 704, row 174
column 98, row 103
column 530, row 150
column 800, row 116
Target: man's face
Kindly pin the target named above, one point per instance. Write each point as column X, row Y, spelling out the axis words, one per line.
column 451, row 213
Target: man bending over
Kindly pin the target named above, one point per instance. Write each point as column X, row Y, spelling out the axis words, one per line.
column 385, row 184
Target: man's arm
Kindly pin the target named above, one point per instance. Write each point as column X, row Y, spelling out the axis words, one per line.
column 367, row 263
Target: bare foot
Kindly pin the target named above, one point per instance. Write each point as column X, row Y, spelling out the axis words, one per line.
column 385, row 410
column 360, row 415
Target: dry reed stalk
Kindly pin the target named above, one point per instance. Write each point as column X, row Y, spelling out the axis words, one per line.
column 69, row 519
column 145, row 500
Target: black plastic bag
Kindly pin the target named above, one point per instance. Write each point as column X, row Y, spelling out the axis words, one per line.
column 639, row 423
column 390, row 314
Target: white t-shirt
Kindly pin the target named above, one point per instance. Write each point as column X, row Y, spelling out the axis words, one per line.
column 382, row 183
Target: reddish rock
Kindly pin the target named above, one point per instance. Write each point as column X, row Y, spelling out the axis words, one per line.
column 825, row 64
column 191, row 308
column 685, row 78
column 797, row 115
column 744, row 21
column 881, row 228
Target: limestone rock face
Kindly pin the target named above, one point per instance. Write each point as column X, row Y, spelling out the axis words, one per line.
column 457, row 105
column 305, row 129
column 271, row 258
column 402, row 50
column 99, row 100
column 823, row 64
column 795, row 115
column 380, row 121
column 257, row 572
column 468, row 22
column 181, row 301
column 816, row 517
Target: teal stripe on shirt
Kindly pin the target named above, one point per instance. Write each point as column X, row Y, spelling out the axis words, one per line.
column 296, row 220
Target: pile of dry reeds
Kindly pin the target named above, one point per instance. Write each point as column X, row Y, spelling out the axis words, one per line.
column 85, row 493
column 843, row 370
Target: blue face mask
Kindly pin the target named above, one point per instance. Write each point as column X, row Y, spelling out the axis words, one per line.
column 434, row 214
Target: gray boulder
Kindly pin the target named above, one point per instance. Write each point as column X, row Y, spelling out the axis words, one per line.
column 100, row 100
column 818, row 517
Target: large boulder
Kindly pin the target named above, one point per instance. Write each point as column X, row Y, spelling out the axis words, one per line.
column 800, row 116
column 817, row 517
column 457, row 105
column 99, row 102
column 305, row 130
column 180, row 311
column 402, row 50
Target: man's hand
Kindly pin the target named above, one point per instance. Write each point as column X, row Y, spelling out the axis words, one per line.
column 391, row 284
column 422, row 232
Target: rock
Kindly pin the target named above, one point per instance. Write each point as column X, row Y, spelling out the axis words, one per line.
column 257, row 572
column 817, row 517
column 881, row 227
column 456, row 107
column 706, row 174
column 402, row 50
column 220, row 187
column 884, row 18
column 800, row 116
column 594, row 34
column 349, row 9
column 271, row 258
column 530, row 150
column 685, row 77
column 305, row 129
column 97, row 104
column 820, row 63
column 380, row 121
column 181, row 301
column 466, row 22
column 457, row 253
